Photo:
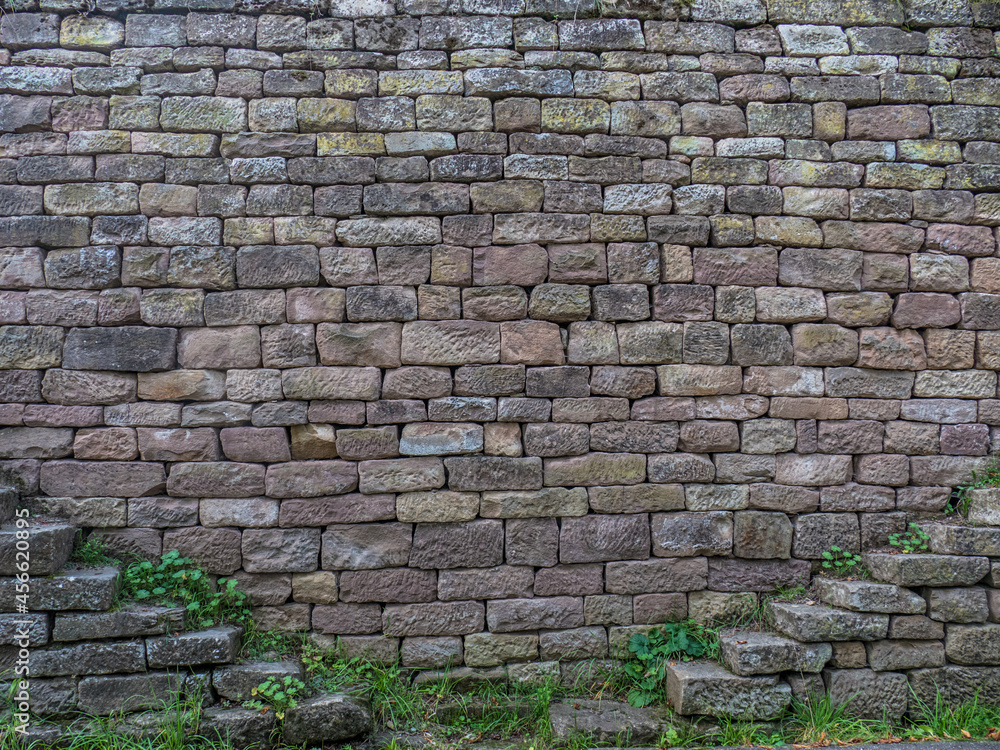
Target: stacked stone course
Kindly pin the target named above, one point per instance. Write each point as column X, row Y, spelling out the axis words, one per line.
column 491, row 331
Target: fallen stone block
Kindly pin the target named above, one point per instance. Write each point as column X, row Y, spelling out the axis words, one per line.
column 752, row 653
column 706, row 688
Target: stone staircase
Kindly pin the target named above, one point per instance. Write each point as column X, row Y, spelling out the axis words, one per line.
column 89, row 654
column 926, row 627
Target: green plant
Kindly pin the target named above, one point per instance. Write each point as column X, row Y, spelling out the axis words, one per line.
column 91, row 551
column 745, row 733
column 988, row 477
column 912, row 541
column 970, row 720
column 395, row 703
column 178, row 580
column 653, row 652
column 279, row 695
column 818, row 721
column 840, row 560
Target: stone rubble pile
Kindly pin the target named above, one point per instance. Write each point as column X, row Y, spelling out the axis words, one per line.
column 92, row 656
column 925, row 635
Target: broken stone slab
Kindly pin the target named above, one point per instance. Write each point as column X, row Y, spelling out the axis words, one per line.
column 927, row 569
column 608, row 721
column 867, row 694
column 331, row 717
column 749, row 653
column 814, row 623
column 984, row 506
column 213, row 646
column 78, row 589
column 240, row 727
column 863, row 596
column 955, row 539
column 130, row 621
column 237, row 681
column 45, row 550
column 706, row 688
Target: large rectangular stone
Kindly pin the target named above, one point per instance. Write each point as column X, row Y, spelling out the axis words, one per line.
column 122, row 349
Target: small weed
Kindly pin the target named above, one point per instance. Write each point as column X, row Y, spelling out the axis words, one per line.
column 653, row 652
column 279, row 695
column 92, row 551
column 912, row 541
column 270, row 645
column 985, row 479
column 841, row 561
column 178, row 580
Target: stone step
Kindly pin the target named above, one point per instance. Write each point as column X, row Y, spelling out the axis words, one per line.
column 927, row 569
column 814, row 623
column 984, row 506
column 91, row 589
column 236, row 681
column 88, row 658
column 48, row 546
column 748, row 653
column 126, row 693
column 607, row 722
column 219, row 645
column 956, row 539
column 864, row 596
column 326, row 718
column 239, row 727
column 127, row 622
column 708, row 689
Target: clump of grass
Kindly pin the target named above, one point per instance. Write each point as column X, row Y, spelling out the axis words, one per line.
column 973, row 719
column 92, row 551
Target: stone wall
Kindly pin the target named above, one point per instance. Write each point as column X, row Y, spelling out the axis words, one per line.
column 489, row 330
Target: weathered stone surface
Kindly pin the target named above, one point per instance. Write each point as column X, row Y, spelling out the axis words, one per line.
column 749, row 653
column 927, row 569
column 866, row 693
column 89, row 658
column 214, row 646
column 605, row 721
column 124, row 623
column 328, row 717
column 73, row 589
column 814, row 623
column 862, row 596
column 706, row 688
